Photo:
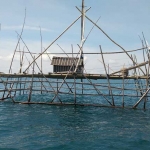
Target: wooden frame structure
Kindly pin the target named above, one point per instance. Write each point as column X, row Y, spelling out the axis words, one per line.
column 73, row 87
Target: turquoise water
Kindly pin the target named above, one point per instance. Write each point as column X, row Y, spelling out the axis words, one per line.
column 72, row 128
column 34, row 127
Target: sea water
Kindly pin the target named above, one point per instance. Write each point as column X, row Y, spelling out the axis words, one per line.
column 72, row 128
column 25, row 127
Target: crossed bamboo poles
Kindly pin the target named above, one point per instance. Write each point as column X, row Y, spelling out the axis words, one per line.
column 74, row 73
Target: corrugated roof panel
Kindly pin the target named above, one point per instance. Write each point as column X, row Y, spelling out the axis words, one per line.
column 65, row 61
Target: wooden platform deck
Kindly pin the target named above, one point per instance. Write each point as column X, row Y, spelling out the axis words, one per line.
column 71, row 76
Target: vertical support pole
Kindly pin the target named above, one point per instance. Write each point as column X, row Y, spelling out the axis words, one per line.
column 108, row 74
column 140, row 84
column 30, row 92
column 75, row 100
column 144, row 60
column 135, row 74
column 57, row 86
column 82, row 85
column 41, row 60
column 10, row 69
column 21, row 62
column 41, row 84
column 20, row 85
column 16, row 86
column 4, row 90
column 147, row 83
column 82, row 34
column 24, row 86
column 21, row 55
column 20, row 58
column 81, row 58
column 123, row 90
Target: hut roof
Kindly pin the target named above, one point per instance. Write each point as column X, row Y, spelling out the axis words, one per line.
column 65, row 61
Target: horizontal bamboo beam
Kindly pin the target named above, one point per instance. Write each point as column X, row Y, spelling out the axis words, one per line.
column 2, row 99
column 130, row 68
column 86, row 89
column 71, row 76
column 87, row 53
column 72, row 104
column 69, row 82
column 86, row 94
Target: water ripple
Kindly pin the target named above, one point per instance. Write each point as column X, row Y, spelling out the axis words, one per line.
column 59, row 127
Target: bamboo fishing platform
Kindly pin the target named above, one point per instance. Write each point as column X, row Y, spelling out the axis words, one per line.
column 71, row 76
column 70, row 84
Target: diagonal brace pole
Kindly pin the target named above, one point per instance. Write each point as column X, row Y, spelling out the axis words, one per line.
column 141, row 98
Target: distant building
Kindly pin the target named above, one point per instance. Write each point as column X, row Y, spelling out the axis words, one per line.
column 65, row 64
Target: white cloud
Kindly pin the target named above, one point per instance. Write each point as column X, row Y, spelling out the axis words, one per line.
column 9, row 57
column 26, row 27
column 47, row 57
column 36, row 28
column 111, row 61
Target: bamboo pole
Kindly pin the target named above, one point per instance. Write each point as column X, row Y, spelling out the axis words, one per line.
column 72, row 63
column 57, row 85
column 64, row 78
column 144, row 61
column 75, row 100
column 41, row 56
column 54, row 41
column 90, row 31
column 16, row 86
column 130, row 68
column 18, row 41
column 141, row 98
column 87, row 94
column 109, row 38
column 106, row 53
column 98, row 91
column 123, row 89
column 140, row 86
column 34, row 72
column 145, row 42
column 135, row 80
column 80, row 83
column 9, row 90
column 147, row 81
column 21, row 62
column 40, row 69
column 31, row 86
column 107, row 77
column 108, row 74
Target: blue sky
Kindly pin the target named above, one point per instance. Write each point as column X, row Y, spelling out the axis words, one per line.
column 123, row 20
